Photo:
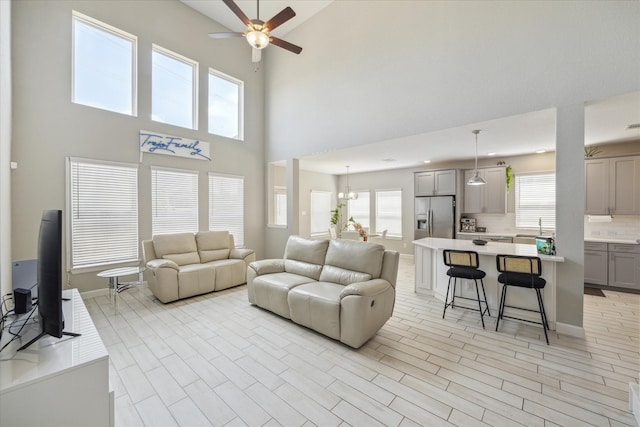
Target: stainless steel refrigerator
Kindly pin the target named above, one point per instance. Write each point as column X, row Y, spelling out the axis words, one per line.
column 435, row 217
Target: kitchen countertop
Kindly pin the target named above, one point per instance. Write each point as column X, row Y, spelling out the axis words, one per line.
column 622, row 240
column 491, row 248
column 612, row 240
column 489, row 234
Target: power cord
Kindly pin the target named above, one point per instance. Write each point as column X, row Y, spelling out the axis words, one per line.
column 17, row 335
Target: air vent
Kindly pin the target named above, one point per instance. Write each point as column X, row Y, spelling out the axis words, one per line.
column 633, row 126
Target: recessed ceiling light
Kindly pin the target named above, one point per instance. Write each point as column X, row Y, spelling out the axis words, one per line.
column 491, row 154
column 427, row 161
column 540, row 151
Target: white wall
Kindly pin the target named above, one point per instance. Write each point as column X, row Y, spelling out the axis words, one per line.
column 5, row 147
column 47, row 126
column 426, row 66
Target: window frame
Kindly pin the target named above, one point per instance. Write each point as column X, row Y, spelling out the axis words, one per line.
column 240, row 124
column 194, row 84
column 70, row 203
column 238, row 237
column 102, row 26
column 195, row 173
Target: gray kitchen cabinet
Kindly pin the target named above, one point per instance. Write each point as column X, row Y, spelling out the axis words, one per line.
column 435, row 183
column 624, row 265
column 488, row 198
column 612, row 186
column 596, row 263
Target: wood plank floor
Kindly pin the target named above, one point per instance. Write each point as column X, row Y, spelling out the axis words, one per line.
column 217, row 360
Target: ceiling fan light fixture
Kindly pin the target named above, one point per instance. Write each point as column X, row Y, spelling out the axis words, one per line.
column 257, row 39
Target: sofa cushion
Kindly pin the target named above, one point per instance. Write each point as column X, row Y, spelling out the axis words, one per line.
column 342, row 276
column 356, row 256
column 195, row 279
column 179, row 247
column 317, row 306
column 229, row 272
column 305, row 256
column 271, row 291
column 213, row 245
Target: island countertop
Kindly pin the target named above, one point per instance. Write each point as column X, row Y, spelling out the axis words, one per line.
column 491, row 248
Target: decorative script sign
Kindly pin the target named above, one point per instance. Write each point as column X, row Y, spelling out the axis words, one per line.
column 153, row 142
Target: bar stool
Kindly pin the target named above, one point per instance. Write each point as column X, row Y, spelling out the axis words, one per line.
column 524, row 272
column 464, row 265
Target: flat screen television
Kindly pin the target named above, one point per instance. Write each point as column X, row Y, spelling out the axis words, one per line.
column 49, row 277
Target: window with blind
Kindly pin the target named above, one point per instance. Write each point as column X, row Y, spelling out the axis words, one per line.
column 174, row 88
column 536, row 200
column 103, row 213
column 280, row 206
column 320, row 212
column 359, row 209
column 389, row 212
column 226, row 205
column 174, row 201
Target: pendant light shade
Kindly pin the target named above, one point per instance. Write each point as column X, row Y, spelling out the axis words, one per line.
column 476, row 179
column 348, row 194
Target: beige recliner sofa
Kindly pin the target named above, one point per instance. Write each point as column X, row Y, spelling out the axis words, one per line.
column 341, row 288
column 182, row 265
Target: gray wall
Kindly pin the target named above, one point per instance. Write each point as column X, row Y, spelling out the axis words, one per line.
column 47, row 126
column 5, row 147
column 447, row 64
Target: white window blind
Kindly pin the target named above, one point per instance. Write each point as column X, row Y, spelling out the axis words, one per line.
column 174, row 201
column 359, row 209
column 536, row 200
column 320, row 218
column 280, row 205
column 389, row 212
column 226, row 205
column 103, row 211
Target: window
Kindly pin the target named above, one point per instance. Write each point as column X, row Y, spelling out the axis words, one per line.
column 174, row 201
column 280, row 204
column 226, row 205
column 320, row 212
column 389, row 212
column 536, row 200
column 174, row 89
column 359, row 209
column 226, row 96
column 102, row 212
column 103, row 66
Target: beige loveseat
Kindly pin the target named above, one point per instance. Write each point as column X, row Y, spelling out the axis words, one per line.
column 341, row 288
column 182, row 265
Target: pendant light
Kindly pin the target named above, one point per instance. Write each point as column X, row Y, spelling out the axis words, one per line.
column 348, row 194
column 476, row 179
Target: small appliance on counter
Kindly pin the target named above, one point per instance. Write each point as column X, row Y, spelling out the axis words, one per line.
column 545, row 245
column 468, row 225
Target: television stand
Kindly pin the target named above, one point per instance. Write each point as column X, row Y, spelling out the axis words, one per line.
column 43, row 334
column 68, row 378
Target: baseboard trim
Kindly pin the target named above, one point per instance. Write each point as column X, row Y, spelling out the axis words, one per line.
column 408, row 256
column 571, row 330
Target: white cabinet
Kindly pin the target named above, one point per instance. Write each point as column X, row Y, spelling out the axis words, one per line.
column 624, row 265
column 488, row 198
column 58, row 382
column 435, row 183
column 612, row 186
column 596, row 263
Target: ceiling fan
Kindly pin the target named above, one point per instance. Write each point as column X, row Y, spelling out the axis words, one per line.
column 258, row 32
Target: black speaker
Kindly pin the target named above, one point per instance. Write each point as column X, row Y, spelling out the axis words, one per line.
column 21, row 300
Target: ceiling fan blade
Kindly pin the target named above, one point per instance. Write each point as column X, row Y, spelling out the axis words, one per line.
column 225, row 35
column 285, row 45
column 282, row 17
column 239, row 13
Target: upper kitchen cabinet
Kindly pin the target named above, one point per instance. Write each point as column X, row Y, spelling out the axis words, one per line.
column 435, row 183
column 488, row 198
column 612, row 186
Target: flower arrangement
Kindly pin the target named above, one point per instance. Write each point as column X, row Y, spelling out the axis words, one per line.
column 361, row 231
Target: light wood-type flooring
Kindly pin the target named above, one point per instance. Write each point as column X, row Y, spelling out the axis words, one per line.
column 217, row 360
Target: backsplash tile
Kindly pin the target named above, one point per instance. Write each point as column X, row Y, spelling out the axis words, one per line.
column 620, row 227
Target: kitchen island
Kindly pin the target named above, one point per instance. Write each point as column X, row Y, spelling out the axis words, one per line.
column 431, row 275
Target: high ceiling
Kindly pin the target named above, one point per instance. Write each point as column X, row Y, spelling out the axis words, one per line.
column 606, row 120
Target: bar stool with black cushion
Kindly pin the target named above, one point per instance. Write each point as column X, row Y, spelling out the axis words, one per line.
column 464, row 265
column 523, row 272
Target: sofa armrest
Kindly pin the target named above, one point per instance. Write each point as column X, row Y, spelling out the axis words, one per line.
column 240, row 253
column 267, row 266
column 159, row 263
column 367, row 289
